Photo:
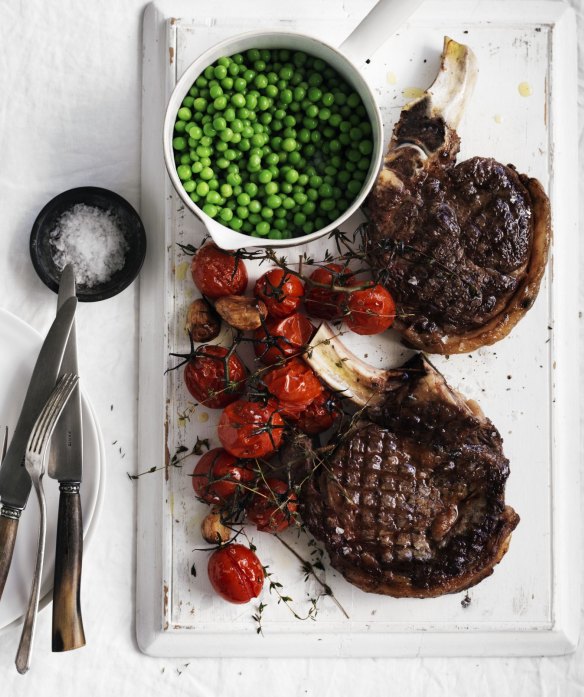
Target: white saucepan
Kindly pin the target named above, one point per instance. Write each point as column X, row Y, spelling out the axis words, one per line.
column 384, row 19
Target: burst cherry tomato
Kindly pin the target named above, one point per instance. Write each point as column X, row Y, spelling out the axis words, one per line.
column 281, row 292
column 217, row 273
column 370, row 311
column 273, row 506
column 218, row 476
column 250, row 429
column 294, row 384
column 236, row 573
column 320, row 414
column 322, row 302
column 279, row 339
column 207, row 380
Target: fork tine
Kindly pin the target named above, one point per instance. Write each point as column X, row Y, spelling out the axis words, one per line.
column 45, row 416
column 51, row 411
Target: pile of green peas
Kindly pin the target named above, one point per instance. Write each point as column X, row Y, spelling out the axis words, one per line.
column 272, row 143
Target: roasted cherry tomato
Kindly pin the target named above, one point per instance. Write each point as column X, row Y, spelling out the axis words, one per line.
column 321, row 301
column 217, row 273
column 320, row 414
column 236, row 573
column 294, row 384
column 370, row 311
column 280, row 291
column 208, row 381
column 273, row 506
column 250, row 429
column 219, row 475
column 279, row 339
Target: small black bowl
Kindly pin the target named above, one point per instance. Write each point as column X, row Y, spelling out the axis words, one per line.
column 130, row 225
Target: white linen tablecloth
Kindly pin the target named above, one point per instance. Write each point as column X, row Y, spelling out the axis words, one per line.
column 70, row 111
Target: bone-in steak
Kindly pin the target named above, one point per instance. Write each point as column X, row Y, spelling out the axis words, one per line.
column 411, row 502
column 461, row 247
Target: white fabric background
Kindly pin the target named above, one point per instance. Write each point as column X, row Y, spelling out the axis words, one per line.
column 70, row 105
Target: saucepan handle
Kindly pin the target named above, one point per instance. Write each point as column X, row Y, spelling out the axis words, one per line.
column 383, row 21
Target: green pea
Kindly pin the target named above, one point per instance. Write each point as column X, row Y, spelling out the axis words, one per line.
column 189, row 186
column 299, row 219
column 289, row 203
column 353, row 100
column 212, row 197
column 263, row 103
column 196, row 167
column 180, row 126
column 210, row 210
column 202, row 188
column 272, row 188
column 366, row 147
column 242, row 212
column 275, row 235
column 267, row 213
column 274, row 201
column 219, row 124
column 220, row 72
column 220, row 102
column 234, row 179
column 184, row 172
column 185, row 160
column 236, row 223
column 263, row 228
column 226, row 190
column 179, row 143
column 200, row 104
column 289, row 144
column 327, row 204
column 255, row 206
column 194, row 197
column 227, row 83
column 207, row 173
column 265, row 176
column 226, row 135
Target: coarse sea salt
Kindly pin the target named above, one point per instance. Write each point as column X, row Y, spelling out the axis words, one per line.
column 92, row 241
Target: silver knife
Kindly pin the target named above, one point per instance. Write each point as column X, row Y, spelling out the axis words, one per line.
column 15, row 482
column 66, row 465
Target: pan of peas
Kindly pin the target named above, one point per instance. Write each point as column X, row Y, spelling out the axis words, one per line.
column 272, row 139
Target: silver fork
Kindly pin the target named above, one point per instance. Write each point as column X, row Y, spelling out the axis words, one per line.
column 35, row 465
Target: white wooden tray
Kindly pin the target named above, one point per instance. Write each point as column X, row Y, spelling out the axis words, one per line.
column 525, row 383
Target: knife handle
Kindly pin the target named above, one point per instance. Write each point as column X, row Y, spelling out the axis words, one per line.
column 9, row 518
column 67, row 622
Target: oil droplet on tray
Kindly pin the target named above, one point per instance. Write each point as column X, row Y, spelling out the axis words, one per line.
column 391, row 78
column 524, row 89
column 413, row 92
column 203, row 417
column 497, row 118
column 181, row 270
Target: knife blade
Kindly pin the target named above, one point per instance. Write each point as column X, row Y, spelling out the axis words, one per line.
column 66, row 465
column 15, row 482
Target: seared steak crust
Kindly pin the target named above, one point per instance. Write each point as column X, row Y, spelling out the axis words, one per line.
column 411, row 503
column 462, row 248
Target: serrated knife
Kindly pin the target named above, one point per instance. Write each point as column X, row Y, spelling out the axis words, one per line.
column 15, row 481
column 66, row 465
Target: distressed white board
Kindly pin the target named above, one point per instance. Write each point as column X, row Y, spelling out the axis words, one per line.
column 530, row 604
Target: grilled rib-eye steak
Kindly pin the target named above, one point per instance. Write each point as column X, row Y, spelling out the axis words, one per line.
column 461, row 247
column 411, row 502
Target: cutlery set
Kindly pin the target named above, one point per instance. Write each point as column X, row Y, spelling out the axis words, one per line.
column 50, row 419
